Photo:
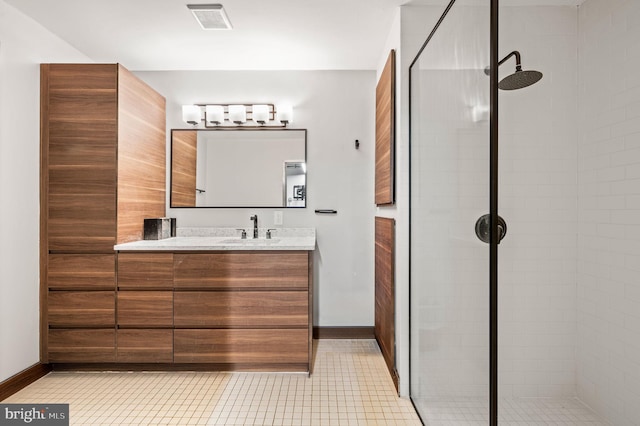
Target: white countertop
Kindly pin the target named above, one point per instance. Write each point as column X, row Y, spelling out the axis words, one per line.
column 211, row 239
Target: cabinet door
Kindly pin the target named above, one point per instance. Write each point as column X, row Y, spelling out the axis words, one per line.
column 81, row 308
column 82, row 345
column 145, row 345
column 81, row 272
column 239, row 346
column 145, row 271
column 79, row 133
column 241, row 309
column 145, row 309
column 141, row 155
column 242, row 270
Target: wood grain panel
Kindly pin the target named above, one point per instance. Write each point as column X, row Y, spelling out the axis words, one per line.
column 82, row 345
column 241, row 270
column 141, row 155
column 385, row 291
column 183, row 168
column 77, row 143
column 81, row 271
column 385, row 134
column 241, row 346
column 145, row 345
column 72, row 104
column 145, row 270
column 241, row 309
column 80, row 165
column 84, row 180
column 80, row 102
column 74, row 224
column 102, row 171
column 81, row 308
column 82, row 77
column 44, row 208
column 145, row 309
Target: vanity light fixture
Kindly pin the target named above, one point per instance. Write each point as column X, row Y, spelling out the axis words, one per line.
column 191, row 114
column 236, row 115
column 285, row 114
column 210, row 16
column 214, row 114
column 260, row 113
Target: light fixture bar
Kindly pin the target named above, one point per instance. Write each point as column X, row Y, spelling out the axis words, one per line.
column 210, row 16
column 237, row 114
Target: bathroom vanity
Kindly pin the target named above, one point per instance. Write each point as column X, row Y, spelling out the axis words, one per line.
column 217, row 299
column 206, row 299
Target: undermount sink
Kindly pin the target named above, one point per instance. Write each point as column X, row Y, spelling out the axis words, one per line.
column 250, row 241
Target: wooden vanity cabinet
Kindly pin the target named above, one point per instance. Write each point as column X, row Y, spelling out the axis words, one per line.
column 236, row 310
column 102, row 161
column 145, row 308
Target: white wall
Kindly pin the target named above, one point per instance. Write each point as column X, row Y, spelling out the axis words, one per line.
column 337, row 107
column 609, row 210
column 23, row 45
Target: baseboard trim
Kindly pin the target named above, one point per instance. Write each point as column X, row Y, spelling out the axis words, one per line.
column 343, row 333
column 23, row 379
column 208, row 367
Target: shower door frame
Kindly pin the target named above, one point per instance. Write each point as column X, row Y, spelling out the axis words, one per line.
column 494, row 237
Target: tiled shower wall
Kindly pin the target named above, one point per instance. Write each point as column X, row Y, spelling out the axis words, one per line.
column 570, row 192
column 608, row 302
column 538, row 167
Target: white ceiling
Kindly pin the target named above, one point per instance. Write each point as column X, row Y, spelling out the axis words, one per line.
column 267, row 35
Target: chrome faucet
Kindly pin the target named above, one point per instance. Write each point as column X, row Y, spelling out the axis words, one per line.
column 254, row 218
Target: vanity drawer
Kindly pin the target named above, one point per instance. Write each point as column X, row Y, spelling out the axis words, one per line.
column 82, row 345
column 145, row 345
column 242, row 346
column 81, row 308
column 145, row 309
column 241, row 270
column 145, row 270
column 81, row 271
column 241, row 309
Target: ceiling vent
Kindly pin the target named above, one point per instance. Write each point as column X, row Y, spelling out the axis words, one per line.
column 210, row 16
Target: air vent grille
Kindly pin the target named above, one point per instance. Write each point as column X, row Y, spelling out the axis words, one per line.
column 210, row 16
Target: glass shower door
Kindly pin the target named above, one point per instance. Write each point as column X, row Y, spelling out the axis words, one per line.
column 450, row 182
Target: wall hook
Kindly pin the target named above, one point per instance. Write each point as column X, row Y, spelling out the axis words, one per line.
column 357, row 144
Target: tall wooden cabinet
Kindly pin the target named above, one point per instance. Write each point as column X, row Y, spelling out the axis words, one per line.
column 103, row 147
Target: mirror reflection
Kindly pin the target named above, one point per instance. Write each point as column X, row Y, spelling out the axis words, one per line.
column 238, row 168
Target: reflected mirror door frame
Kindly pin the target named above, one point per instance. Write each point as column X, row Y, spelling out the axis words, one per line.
column 494, row 237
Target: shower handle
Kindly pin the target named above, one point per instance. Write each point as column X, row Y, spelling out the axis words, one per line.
column 483, row 227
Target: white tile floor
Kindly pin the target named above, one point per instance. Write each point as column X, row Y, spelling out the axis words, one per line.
column 511, row 412
column 350, row 385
